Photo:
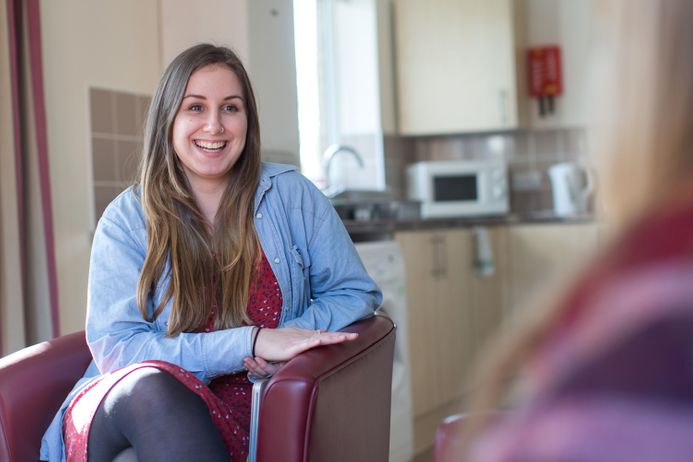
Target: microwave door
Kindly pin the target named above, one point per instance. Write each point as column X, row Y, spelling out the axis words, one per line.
column 456, row 188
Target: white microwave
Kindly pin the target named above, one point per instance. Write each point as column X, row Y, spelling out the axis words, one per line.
column 459, row 187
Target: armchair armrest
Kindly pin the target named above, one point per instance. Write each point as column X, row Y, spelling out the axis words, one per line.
column 33, row 383
column 448, row 441
column 332, row 402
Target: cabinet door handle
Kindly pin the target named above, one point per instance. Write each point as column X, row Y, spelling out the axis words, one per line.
column 440, row 264
column 443, row 257
column 434, row 255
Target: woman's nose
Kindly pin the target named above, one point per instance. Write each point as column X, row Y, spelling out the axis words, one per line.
column 214, row 125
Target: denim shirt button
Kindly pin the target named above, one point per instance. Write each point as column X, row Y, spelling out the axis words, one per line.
column 259, row 215
column 276, row 260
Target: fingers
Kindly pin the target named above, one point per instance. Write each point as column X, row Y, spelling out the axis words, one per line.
column 283, row 344
column 268, row 368
column 255, row 369
column 252, row 368
column 320, row 338
column 331, row 338
column 261, row 362
column 259, row 368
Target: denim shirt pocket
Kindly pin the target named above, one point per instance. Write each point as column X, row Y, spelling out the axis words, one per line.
column 301, row 270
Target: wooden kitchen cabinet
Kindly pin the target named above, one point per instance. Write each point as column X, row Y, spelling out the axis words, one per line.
column 540, row 254
column 440, row 332
column 453, row 311
column 456, row 66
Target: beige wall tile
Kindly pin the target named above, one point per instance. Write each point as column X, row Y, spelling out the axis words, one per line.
column 103, row 195
column 101, row 106
column 117, row 132
column 398, row 153
column 103, row 159
column 128, row 159
column 546, row 144
column 126, row 114
column 141, row 108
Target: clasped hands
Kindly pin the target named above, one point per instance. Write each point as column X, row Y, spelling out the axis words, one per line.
column 274, row 347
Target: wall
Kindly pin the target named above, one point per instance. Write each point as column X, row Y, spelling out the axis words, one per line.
column 221, row 22
column 105, row 44
column 386, row 67
column 571, row 25
column 272, row 68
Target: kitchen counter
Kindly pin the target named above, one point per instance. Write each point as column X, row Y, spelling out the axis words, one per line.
column 380, row 229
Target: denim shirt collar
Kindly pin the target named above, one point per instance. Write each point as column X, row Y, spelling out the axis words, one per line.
column 269, row 170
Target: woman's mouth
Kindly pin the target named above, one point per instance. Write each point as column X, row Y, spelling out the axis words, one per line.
column 211, row 146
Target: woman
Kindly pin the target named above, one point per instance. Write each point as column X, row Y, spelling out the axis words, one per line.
column 605, row 372
column 213, row 264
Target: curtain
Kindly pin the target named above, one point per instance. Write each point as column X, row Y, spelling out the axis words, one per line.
column 28, row 279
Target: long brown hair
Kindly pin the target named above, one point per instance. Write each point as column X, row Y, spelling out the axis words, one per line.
column 204, row 265
column 644, row 148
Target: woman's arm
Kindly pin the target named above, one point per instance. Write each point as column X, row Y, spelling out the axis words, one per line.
column 117, row 333
column 341, row 291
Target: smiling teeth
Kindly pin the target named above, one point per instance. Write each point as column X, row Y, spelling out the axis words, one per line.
column 211, row 145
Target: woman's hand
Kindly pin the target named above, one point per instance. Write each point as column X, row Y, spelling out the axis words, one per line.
column 280, row 345
column 259, row 368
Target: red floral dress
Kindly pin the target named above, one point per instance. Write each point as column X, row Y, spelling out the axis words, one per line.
column 227, row 397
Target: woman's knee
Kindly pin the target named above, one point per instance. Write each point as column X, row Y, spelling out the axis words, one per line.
column 159, row 416
column 127, row 455
column 147, row 390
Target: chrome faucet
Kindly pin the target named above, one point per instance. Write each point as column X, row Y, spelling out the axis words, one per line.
column 330, row 153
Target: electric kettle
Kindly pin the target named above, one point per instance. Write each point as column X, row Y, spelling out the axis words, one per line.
column 572, row 185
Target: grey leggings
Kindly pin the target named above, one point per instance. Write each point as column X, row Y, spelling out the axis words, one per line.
column 150, row 416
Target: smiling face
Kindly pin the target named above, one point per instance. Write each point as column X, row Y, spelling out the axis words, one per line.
column 209, row 129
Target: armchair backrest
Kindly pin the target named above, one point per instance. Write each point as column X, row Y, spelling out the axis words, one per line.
column 33, row 384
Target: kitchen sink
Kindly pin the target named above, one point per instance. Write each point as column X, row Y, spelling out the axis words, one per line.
column 370, row 205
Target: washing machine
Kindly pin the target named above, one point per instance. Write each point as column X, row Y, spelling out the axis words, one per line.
column 383, row 261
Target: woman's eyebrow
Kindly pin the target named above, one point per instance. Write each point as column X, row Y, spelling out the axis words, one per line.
column 192, row 95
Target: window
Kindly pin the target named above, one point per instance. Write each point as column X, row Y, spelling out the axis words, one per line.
column 338, row 92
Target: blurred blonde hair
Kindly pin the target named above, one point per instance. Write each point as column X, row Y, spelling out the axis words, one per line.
column 644, row 137
column 642, row 150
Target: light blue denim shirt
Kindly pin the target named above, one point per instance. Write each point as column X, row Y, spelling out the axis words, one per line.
column 323, row 283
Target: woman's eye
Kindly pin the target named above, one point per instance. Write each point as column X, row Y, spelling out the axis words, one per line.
column 231, row 108
column 195, row 107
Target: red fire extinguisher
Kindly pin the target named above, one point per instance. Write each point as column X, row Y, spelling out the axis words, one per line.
column 545, row 80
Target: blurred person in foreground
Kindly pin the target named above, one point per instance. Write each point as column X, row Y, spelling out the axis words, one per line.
column 604, row 370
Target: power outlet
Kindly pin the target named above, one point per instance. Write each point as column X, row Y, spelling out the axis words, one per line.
column 526, row 181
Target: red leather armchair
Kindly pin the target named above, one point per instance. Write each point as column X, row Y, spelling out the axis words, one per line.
column 448, row 443
column 33, row 384
column 329, row 403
